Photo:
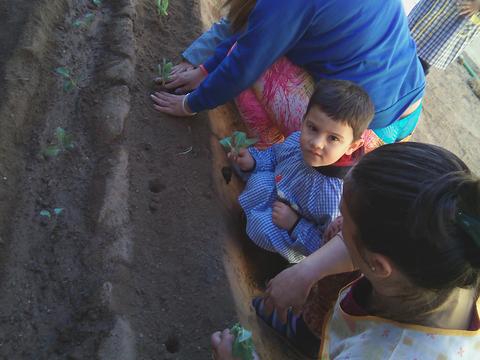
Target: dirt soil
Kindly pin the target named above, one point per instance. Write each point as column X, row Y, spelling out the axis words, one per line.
column 148, row 255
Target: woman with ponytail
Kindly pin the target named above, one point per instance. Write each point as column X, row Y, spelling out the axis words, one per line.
column 278, row 49
column 411, row 225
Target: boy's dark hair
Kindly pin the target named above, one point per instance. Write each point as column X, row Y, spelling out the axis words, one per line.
column 344, row 101
column 405, row 200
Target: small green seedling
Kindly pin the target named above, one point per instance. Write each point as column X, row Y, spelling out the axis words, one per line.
column 164, row 70
column 49, row 215
column 97, row 3
column 68, row 81
column 84, row 21
column 237, row 141
column 64, row 142
column 162, row 7
column 242, row 347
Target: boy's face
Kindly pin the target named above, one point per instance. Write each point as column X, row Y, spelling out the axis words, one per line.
column 324, row 141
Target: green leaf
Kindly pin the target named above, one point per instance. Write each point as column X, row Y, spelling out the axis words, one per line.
column 46, row 213
column 68, row 85
column 58, row 211
column 63, row 72
column 239, row 138
column 250, row 142
column 89, row 17
column 51, row 151
column 97, row 3
column 242, row 347
column 68, row 142
column 162, row 7
column 226, row 143
column 85, row 20
column 167, row 68
column 78, row 23
column 60, row 134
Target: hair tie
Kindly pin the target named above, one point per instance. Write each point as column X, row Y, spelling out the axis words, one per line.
column 469, row 225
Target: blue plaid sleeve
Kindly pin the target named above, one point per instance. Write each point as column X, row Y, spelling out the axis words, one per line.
column 307, row 235
column 265, row 160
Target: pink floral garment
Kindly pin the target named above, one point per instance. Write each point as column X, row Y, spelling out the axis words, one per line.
column 274, row 106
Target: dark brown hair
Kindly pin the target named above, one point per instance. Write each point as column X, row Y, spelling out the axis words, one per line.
column 238, row 13
column 405, row 199
column 344, row 101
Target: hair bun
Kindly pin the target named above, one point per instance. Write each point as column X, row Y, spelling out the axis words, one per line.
column 468, row 217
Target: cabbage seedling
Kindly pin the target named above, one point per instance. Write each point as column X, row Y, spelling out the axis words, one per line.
column 64, row 142
column 164, row 70
column 84, row 21
column 48, row 214
column 162, row 7
column 68, row 81
column 242, row 347
column 237, row 141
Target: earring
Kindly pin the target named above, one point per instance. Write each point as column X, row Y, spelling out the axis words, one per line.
column 372, row 268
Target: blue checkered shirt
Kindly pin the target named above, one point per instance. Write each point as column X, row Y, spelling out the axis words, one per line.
column 281, row 174
column 440, row 32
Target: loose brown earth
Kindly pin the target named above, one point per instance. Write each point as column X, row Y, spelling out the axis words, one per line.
column 148, row 257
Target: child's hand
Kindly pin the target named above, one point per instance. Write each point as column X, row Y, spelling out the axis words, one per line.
column 244, row 160
column 283, row 216
column 333, row 228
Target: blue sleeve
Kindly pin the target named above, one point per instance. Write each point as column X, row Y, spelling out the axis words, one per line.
column 307, row 236
column 204, row 47
column 266, row 39
column 265, row 160
column 220, row 53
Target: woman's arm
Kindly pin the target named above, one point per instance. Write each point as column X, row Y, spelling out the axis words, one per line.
column 204, row 47
column 274, row 27
column 291, row 287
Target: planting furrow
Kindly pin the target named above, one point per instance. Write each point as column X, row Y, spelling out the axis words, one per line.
column 68, row 229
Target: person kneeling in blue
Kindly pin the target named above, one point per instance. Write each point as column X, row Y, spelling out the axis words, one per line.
column 295, row 187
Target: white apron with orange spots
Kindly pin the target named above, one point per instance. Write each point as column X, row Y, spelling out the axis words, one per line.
column 373, row 338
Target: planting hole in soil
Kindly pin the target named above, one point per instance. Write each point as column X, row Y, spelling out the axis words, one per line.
column 156, row 186
column 172, row 344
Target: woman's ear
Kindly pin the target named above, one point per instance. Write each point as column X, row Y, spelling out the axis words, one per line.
column 354, row 146
column 380, row 266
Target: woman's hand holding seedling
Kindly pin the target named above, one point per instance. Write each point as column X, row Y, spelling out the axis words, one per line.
column 184, row 82
column 243, row 159
column 283, row 216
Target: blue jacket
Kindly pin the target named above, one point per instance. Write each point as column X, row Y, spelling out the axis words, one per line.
column 364, row 41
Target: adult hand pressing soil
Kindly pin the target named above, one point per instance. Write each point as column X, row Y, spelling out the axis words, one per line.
column 186, row 81
column 181, row 67
column 182, row 83
column 171, row 104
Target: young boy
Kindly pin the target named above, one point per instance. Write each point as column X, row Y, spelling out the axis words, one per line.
column 295, row 187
